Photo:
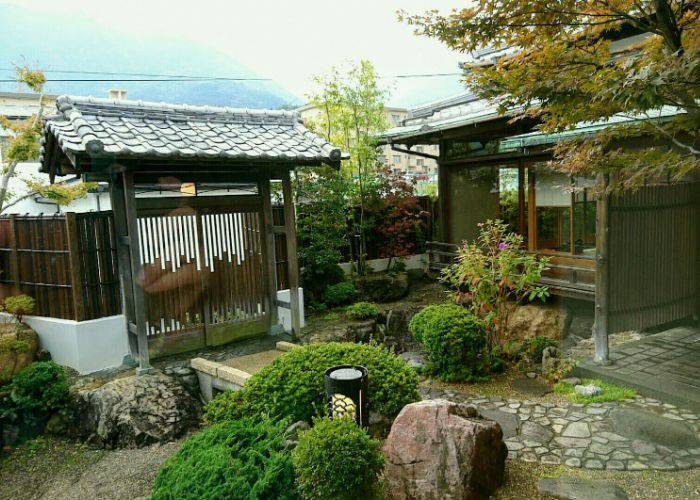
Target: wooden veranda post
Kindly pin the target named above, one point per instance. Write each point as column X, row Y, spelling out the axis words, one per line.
column 531, row 210
column 292, row 262
column 602, row 272
column 268, row 247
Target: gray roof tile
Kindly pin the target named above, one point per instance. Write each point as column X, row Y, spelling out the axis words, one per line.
column 137, row 128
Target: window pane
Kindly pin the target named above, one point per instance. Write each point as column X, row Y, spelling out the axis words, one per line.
column 553, row 199
column 508, row 198
column 584, row 217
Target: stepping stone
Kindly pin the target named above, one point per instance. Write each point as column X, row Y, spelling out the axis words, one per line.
column 570, row 488
column 531, row 387
column 535, row 432
column 509, row 423
column 652, row 428
column 577, row 430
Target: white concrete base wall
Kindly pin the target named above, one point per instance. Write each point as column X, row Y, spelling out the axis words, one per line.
column 417, row 261
column 284, row 314
column 85, row 346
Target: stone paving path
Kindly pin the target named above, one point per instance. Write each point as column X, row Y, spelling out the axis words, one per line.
column 637, row 434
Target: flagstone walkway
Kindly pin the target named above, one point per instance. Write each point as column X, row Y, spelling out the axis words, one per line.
column 637, row 434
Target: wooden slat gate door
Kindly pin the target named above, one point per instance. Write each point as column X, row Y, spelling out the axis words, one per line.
column 203, row 263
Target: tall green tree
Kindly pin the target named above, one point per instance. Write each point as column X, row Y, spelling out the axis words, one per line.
column 351, row 115
column 23, row 146
column 564, row 68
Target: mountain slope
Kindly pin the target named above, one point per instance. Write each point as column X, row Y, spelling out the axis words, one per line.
column 52, row 42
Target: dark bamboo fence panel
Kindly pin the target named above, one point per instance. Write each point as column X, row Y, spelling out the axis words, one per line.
column 280, row 249
column 66, row 262
column 654, row 267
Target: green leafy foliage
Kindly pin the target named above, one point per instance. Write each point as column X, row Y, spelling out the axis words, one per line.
column 611, row 392
column 569, row 70
column 339, row 294
column 292, row 386
column 239, row 459
column 322, row 228
column 41, row 387
column 537, row 345
column 362, row 310
column 18, row 306
column 337, row 460
column 493, row 274
column 455, row 340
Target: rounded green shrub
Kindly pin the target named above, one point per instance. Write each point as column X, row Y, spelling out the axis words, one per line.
column 362, row 310
column 455, row 340
column 238, row 459
column 41, row 388
column 339, row 294
column 292, row 386
column 336, row 459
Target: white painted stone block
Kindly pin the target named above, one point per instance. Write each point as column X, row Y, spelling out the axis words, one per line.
column 284, row 314
column 86, row 346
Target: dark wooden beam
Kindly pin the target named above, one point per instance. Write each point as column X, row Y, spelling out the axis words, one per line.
column 521, row 199
column 292, row 261
column 244, row 202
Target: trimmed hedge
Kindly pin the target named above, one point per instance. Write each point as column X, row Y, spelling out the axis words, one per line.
column 292, row 386
column 239, row 459
column 455, row 340
column 337, row 460
column 362, row 310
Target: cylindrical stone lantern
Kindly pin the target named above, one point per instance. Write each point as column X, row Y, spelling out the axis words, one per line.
column 346, row 393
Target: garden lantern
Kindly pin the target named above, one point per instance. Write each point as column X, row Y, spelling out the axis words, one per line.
column 346, row 393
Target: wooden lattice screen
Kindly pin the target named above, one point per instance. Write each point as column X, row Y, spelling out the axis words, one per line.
column 654, row 271
column 67, row 262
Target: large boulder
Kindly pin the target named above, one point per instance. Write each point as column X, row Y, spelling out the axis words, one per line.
column 533, row 320
column 18, row 346
column 439, row 449
column 135, row 411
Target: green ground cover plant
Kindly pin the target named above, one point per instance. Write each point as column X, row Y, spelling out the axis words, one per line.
column 292, row 386
column 611, row 392
column 340, row 294
column 337, row 460
column 236, row 459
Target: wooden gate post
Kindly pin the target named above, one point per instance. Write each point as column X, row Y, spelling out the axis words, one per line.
column 116, row 198
column 601, row 273
column 268, row 247
column 123, row 200
column 292, row 262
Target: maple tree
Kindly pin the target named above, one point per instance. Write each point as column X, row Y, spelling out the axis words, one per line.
column 564, row 64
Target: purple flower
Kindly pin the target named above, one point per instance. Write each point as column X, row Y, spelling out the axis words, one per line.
column 502, row 245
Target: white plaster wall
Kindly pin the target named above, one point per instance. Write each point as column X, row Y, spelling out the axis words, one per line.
column 417, row 261
column 284, row 314
column 86, row 346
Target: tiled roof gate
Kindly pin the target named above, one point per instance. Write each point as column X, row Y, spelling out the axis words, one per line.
column 195, row 270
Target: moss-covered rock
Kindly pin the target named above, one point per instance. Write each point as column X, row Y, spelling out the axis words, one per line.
column 383, row 287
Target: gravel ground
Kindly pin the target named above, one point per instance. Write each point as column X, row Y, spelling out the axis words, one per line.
column 59, row 469
column 522, row 477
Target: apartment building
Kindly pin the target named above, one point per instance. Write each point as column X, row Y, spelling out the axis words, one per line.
column 395, row 160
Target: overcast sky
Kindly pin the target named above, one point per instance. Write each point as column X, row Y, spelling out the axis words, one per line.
column 289, row 41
